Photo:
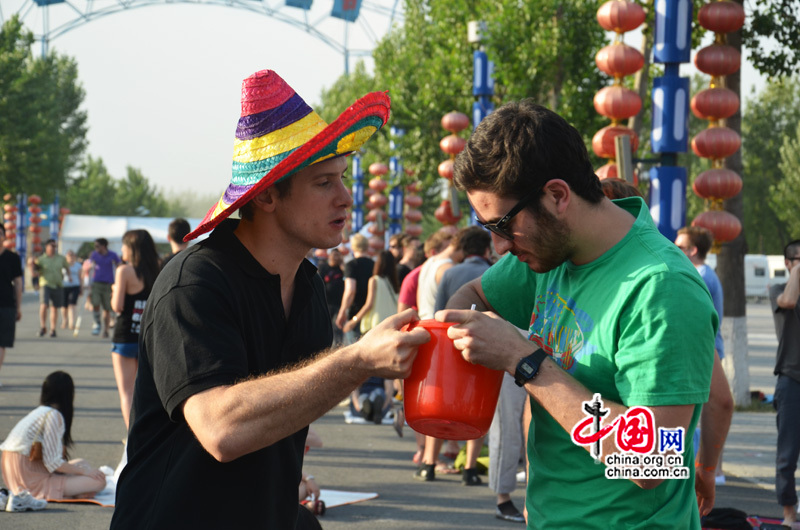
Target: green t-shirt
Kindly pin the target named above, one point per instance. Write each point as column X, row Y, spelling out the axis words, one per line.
column 51, row 270
column 636, row 325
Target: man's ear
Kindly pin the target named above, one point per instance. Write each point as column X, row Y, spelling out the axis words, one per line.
column 559, row 193
column 266, row 201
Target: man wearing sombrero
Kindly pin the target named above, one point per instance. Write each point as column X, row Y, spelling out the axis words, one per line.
column 230, row 373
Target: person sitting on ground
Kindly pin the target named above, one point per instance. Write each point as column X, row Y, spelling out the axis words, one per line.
column 35, row 454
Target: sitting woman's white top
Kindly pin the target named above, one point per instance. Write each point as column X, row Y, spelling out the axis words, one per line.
column 43, row 424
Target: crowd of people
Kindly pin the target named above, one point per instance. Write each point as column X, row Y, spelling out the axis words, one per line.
column 224, row 357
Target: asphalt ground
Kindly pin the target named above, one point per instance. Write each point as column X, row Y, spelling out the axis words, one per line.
column 361, row 458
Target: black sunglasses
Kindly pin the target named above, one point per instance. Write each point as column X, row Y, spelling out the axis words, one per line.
column 499, row 227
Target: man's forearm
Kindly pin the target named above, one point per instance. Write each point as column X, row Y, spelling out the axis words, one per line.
column 715, row 420
column 468, row 294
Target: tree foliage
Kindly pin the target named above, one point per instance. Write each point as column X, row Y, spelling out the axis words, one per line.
column 772, row 36
column 96, row 192
column 42, row 128
column 770, row 120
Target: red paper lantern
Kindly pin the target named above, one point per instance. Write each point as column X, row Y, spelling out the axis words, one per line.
column 35, row 219
column 603, row 140
column 413, row 229
column 64, row 211
column 9, row 208
column 721, row 17
column 372, row 216
column 608, row 171
column 37, row 248
column 446, row 169
column 377, row 200
column 10, row 226
column 452, row 144
column 444, row 214
column 718, row 60
column 8, row 243
column 376, row 230
column 7, row 197
column 715, row 103
column 619, row 60
column 35, row 229
column 413, row 216
column 455, row 121
column 36, row 239
column 413, row 201
column 617, row 102
column 34, row 209
column 724, row 225
column 717, row 184
column 378, row 184
column 35, row 199
column 378, row 169
column 9, row 216
column 716, row 142
column 321, row 253
column 620, row 16
column 377, row 243
column 414, row 187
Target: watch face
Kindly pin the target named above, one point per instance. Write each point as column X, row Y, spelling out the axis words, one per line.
column 526, row 369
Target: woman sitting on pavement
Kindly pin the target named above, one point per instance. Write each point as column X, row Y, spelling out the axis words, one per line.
column 35, row 459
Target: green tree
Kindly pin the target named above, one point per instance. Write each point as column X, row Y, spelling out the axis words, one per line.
column 771, row 119
column 95, row 192
column 42, row 128
column 785, row 196
column 772, row 37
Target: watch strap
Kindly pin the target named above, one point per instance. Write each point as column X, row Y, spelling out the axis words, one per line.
column 528, row 367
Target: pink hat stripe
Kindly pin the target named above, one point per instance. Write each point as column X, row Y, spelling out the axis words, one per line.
column 264, row 90
column 265, row 122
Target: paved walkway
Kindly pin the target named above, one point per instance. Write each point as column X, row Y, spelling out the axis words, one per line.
column 365, row 458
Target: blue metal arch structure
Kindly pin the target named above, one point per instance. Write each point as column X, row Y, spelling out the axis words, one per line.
column 306, row 15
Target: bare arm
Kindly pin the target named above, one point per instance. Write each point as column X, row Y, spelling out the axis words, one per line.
column 231, row 421
column 347, row 300
column 487, row 339
column 368, row 303
column 119, row 289
column 715, row 421
column 470, row 293
column 788, row 298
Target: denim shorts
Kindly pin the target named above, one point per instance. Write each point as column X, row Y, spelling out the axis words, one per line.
column 126, row 349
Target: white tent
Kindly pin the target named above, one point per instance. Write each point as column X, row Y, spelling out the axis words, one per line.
column 77, row 229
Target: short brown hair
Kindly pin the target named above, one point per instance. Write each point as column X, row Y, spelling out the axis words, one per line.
column 473, row 241
column 283, row 187
column 700, row 237
column 521, row 146
column 437, row 241
column 615, row 188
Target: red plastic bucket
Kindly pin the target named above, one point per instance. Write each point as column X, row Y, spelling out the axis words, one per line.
column 445, row 396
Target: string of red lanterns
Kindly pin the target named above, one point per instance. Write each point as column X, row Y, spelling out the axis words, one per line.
column 617, row 60
column 448, row 212
column 715, row 104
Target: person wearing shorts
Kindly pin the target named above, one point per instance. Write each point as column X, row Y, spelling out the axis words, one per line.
column 53, row 268
column 104, row 263
column 72, row 291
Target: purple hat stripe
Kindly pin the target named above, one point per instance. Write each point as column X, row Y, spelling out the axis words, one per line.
column 265, row 122
column 234, row 192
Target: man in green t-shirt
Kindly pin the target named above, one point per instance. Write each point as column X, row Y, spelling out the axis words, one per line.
column 53, row 267
column 621, row 323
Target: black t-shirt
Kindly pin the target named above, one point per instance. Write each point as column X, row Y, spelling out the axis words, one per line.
column 10, row 268
column 787, row 327
column 402, row 272
column 215, row 317
column 361, row 270
column 334, row 285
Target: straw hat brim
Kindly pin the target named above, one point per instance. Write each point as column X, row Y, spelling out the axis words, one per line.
column 345, row 135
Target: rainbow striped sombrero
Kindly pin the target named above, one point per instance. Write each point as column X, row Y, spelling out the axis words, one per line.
column 278, row 134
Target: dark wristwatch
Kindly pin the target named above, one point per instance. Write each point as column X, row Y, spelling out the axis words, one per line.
column 528, row 367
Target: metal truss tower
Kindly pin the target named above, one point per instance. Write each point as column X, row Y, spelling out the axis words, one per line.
column 331, row 21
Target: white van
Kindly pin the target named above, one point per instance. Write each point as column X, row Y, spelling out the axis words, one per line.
column 756, row 276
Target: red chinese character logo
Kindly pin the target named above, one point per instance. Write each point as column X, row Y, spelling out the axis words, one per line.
column 635, row 431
